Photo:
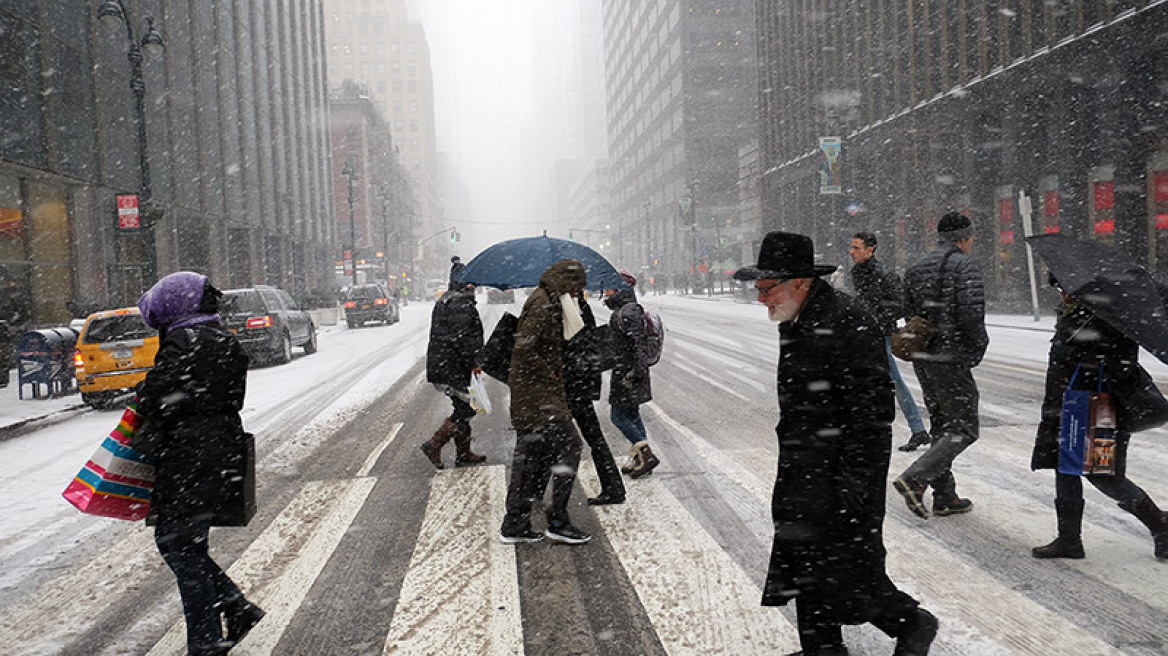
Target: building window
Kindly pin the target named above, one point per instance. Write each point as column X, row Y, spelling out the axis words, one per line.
column 414, row 145
column 395, row 47
column 397, row 86
column 413, row 86
column 397, row 107
column 413, row 125
column 381, row 86
column 413, row 106
column 411, row 68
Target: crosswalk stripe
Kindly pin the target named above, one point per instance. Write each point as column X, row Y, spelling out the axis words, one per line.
column 461, row 590
column 372, row 459
column 304, row 534
column 698, row 599
column 954, row 589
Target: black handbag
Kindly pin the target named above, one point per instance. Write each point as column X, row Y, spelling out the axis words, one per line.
column 495, row 358
column 1139, row 404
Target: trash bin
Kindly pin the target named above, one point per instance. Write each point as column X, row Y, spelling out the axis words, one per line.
column 45, row 357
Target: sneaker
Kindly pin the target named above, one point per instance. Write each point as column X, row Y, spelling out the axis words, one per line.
column 954, row 507
column 567, row 534
column 912, row 493
column 916, row 641
column 519, row 536
column 918, row 439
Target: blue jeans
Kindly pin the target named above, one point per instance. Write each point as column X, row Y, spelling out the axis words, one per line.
column 627, row 419
column 904, row 398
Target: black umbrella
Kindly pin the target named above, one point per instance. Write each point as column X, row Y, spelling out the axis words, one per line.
column 1107, row 282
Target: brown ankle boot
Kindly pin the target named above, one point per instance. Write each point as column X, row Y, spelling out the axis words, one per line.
column 433, row 447
column 646, row 461
column 462, row 446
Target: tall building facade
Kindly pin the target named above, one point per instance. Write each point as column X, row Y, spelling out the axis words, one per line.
column 231, row 175
column 374, row 43
column 943, row 105
column 681, row 81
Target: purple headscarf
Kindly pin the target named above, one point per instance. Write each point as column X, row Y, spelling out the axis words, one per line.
column 174, row 301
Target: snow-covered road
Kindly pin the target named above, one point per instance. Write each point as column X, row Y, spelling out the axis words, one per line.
column 360, row 547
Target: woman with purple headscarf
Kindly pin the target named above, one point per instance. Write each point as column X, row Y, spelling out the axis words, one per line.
column 204, row 460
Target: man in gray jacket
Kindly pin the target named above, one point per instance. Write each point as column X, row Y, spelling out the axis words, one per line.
column 945, row 286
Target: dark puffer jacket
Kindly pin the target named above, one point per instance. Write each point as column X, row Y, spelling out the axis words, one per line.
column 538, row 397
column 630, row 383
column 456, row 337
column 880, row 292
column 956, row 306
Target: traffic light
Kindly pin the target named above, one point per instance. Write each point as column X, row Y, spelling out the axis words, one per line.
column 454, row 236
column 452, row 233
column 570, row 238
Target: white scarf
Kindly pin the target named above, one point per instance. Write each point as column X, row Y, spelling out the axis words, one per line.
column 573, row 322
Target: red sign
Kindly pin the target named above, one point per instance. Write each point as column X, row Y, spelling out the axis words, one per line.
column 1051, row 229
column 348, row 257
column 1161, row 221
column 1050, row 203
column 1104, row 196
column 1105, row 227
column 128, row 216
column 1007, row 237
column 1006, row 210
column 1160, row 185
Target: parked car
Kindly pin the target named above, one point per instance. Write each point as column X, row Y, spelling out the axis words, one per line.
column 500, row 295
column 267, row 322
column 370, row 302
column 114, row 351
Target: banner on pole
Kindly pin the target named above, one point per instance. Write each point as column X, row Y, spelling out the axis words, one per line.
column 830, row 175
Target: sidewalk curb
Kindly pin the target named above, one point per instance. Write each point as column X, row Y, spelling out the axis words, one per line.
column 26, row 426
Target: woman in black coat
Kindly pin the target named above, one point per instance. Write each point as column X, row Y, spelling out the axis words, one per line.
column 1085, row 341
column 582, row 386
column 456, row 337
column 204, row 461
column 630, row 384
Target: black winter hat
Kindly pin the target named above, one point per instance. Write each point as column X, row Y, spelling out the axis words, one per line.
column 784, row 255
column 954, row 227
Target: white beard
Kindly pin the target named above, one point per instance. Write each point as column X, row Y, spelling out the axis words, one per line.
column 783, row 312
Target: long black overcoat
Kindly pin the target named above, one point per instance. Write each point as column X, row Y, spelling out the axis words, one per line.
column 582, row 380
column 836, row 409
column 190, row 403
column 1080, row 337
column 456, row 336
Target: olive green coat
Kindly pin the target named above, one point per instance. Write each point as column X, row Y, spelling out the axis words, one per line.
column 537, row 362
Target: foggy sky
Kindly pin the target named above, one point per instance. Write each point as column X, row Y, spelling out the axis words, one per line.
column 482, row 55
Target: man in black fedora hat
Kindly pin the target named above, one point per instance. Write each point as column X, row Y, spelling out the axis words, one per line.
column 835, row 441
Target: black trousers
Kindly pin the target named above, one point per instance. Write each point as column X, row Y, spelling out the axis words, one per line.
column 554, row 447
column 584, row 412
column 204, row 587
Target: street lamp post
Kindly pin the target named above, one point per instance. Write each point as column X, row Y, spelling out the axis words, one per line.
column 111, row 13
column 350, row 176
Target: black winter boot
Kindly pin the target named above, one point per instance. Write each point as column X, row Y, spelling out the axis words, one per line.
column 1151, row 516
column 241, row 616
column 1069, row 543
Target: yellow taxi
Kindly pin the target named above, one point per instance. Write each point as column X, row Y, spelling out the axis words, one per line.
column 114, row 351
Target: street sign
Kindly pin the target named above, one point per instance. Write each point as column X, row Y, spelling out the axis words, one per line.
column 129, row 216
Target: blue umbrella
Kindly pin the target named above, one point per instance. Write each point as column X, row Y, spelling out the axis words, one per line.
column 520, row 262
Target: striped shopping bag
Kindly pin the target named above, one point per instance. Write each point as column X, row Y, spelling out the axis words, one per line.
column 117, row 480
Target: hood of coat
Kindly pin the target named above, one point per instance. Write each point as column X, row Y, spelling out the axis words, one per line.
column 621, row 297
column 563, row 277
column 177, row 301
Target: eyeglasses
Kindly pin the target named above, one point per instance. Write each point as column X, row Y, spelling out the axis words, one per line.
column 765, row 291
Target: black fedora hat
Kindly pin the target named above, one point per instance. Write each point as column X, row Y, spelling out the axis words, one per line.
column 784, row 255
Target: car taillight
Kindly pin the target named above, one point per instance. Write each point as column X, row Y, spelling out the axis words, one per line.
column 79, row 361
column 260, row 322
column 381, row 301
column 350, row 304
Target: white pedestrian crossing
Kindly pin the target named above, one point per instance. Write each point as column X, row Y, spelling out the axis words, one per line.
column 461, row 591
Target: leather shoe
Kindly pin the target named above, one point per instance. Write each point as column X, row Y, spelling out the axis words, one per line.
column 606, row 499
column 241, row 618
